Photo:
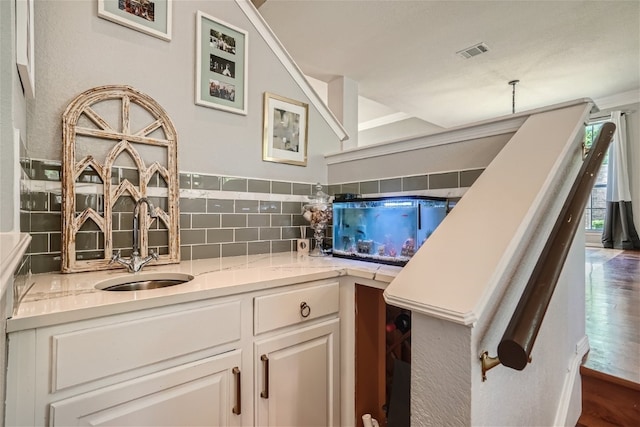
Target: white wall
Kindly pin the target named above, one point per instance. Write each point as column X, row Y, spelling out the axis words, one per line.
column 534, row 395
column 76, row 50
column 12, row 115
column 473, row 270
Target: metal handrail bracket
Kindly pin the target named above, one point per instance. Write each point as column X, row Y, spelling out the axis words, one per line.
column 514, row 350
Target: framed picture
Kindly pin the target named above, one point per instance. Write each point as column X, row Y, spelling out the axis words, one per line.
column 25, row 53
column 285, row 130
column 151, row 17
column 221, row 65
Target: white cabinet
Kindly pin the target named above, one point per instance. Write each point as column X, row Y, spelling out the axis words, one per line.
column 297, row 365
column 188, row 364
column 201, row 393
column 178, row 365
column 298, row 377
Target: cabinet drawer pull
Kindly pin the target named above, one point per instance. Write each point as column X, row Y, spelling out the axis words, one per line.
column 238, row 408
column 305, row 309
column 265, row 363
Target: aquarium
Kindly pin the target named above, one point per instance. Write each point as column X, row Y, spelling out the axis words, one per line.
column 386, row 230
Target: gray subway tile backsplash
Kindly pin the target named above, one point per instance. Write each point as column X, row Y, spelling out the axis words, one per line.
column 278, row 187
column 185, row 180
column 255, row 248
column 292, row 207
column 87, row 241
column 130, row 175
column 234, row 220
column 468, row 177
column 270, row 233
column 193, row 205
column 39, row 243
column 220, row 235
column 302, row 189
column 352, row 187
column 270, row 207
column 335, row 189
column 234, row 249
column 282, row 246
column 205, row 221
column 369, row 187
column 233, row 184
column 390, row 185
column 205, row 251
column 415, row 183
column 220, row 206
column 205, row 182
column 246, row 206
column 246, row 234
column 281, row 220
column 158, row 238
column 258, row 186
column 290, row 232
column 209, row 227
column 43, row 263
column 193, row 237
column 443, row 180
column 46, row 222
column 260, row 220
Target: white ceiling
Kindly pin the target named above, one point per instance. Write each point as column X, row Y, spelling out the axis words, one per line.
column 402, row 54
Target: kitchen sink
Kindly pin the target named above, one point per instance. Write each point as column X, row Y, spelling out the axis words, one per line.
column 142, row 282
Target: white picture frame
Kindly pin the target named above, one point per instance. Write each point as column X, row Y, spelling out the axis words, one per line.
column 285, row 129
column 151, row 17
column 222, row 60
column 25, row 47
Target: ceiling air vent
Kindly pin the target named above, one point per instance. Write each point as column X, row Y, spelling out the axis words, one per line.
column 474, row 50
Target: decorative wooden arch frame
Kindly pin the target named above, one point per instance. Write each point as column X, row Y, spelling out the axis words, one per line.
column 125, row 139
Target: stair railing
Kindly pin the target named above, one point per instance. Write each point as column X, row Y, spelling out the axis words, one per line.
column 514, row 350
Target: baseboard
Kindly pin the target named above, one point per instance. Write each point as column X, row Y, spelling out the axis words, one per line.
column 570, row 404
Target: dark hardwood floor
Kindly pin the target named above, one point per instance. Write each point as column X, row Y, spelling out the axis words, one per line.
column 613, row 312
column 611, row 372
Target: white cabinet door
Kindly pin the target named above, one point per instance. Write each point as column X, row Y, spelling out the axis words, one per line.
column 298, row 377
column 201, row 393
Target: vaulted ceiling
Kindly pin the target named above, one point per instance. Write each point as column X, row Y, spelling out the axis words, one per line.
column 403, row 54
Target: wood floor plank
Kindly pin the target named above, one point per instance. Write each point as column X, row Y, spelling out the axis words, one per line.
column 612, row 311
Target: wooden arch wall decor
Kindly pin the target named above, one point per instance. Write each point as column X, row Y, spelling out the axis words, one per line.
column 102, row 120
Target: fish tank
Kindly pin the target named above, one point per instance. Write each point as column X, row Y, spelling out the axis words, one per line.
column 386, row 230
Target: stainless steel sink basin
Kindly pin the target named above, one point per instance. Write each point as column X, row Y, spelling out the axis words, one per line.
column 141, row 282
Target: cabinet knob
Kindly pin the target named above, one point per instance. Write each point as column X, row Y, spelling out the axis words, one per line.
column 305, row 309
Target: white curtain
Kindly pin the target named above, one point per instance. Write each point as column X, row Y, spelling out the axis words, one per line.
column 619, row 230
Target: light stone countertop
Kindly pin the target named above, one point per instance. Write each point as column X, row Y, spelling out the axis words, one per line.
column 55, row 298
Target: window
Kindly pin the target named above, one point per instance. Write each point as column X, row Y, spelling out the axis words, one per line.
column 596, row 205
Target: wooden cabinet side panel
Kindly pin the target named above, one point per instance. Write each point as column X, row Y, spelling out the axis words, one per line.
column 370, row 384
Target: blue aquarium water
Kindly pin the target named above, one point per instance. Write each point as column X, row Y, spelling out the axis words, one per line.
column 386, row 230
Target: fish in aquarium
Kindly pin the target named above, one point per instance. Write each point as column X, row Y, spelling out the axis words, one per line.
column 385, row 230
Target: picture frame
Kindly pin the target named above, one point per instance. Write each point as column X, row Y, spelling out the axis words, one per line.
column 221, row 64
column 152, row 17
column 25, row 47
column 285, row 130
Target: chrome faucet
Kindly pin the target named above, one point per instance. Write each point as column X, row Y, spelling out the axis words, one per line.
column 136, row 262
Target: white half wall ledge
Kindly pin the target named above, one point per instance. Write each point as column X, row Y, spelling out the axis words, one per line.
column 486, row 128
column 463, row 267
